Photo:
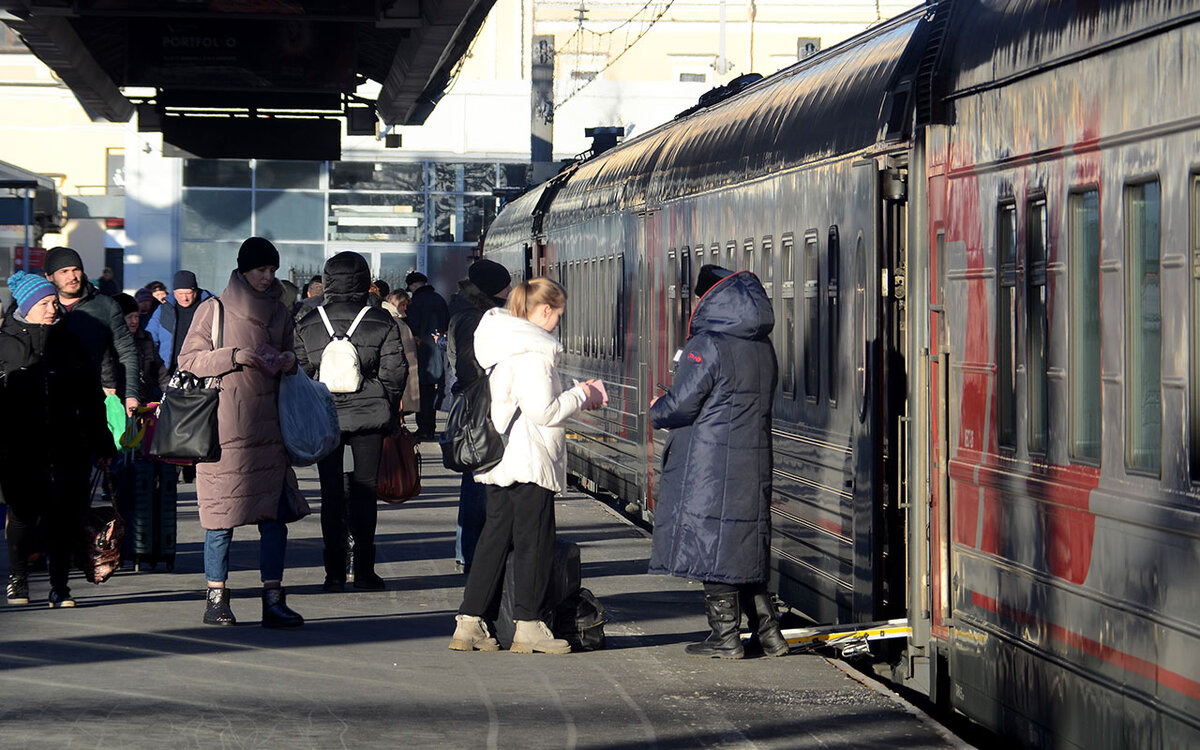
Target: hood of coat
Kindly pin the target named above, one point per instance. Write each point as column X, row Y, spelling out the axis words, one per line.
column 347, row 278
column 501, row 335
column 248, row 302
column 737, row 305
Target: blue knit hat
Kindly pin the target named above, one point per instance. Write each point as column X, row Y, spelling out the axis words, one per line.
column 29, row 290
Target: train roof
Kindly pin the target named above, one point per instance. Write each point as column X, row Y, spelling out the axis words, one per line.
column 993, row 42
column 837, row 102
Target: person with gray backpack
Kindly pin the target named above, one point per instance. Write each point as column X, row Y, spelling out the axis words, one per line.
column 354, row 349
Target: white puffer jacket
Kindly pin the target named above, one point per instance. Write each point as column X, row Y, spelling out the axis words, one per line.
column 525, row 357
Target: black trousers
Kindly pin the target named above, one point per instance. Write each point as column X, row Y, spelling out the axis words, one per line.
column 62, row 521
column 427, row 416
column 363, row 504
column 520, row 518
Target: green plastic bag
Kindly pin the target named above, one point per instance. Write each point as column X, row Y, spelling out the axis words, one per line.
column 115, row 409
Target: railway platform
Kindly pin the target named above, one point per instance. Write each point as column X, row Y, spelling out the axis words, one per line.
column 133, row 667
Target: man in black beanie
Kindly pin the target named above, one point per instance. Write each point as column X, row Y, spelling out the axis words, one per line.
column 171, row 321
column 487, row 285
column 96, row 320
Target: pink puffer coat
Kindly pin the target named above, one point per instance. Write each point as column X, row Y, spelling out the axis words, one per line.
column 245, row 486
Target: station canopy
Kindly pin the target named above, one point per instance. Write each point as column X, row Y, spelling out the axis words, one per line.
column 251, row 78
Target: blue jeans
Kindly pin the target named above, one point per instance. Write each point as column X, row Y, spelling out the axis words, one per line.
column 271, row 547
column 472, row 513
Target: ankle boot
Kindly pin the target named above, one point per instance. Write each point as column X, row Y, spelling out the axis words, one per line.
column 276, row 613
column 763, row 620
column 724, row 616
column 217, row 612
column 533, row 635
column 471, row 634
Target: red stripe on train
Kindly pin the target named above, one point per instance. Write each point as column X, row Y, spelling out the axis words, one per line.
column 1128, row 662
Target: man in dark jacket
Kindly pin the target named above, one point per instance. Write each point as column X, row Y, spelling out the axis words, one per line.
column 428, row 316
column 170, row 323
column 713, row 517
column 486, row 286
column 95, row 319
column 365, row 415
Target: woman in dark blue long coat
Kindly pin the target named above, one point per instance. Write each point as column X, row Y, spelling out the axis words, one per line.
column 713, row 517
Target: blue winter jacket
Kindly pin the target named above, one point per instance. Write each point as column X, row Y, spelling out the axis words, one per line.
column 162, row 325
column 712, row 519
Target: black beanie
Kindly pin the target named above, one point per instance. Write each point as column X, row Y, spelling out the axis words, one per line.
column 127, row 303
column 489, row 277
column 61, row 257
column 257, row 252
column 187, row 280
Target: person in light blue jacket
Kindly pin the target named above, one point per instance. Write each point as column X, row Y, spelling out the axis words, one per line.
column 170, row 323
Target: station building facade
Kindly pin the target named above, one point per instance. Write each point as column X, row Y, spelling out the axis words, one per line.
column 135, row 204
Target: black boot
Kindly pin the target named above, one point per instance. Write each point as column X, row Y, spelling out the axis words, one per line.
column 275, row 610
column 724, row 616
column 365, row 578
column 763, row 620
column 335, row 570
column 218, row 612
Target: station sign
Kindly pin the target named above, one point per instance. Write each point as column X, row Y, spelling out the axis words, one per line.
column 37, row 258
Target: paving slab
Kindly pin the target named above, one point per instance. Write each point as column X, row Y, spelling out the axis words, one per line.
column 133, row 666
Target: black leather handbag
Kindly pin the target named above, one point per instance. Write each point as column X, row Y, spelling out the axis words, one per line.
column 470, row 442
column 187, row 427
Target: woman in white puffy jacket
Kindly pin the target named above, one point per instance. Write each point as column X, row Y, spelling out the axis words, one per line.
column 517, row 342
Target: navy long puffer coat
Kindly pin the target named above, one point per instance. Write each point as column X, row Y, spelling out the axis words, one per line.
column 713, row 517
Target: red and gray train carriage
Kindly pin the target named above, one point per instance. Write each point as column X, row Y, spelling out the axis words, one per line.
column 979, row 224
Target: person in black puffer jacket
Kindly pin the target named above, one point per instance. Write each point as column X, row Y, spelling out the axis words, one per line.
column 365, row 416
column 55, row 428
column 487, row 285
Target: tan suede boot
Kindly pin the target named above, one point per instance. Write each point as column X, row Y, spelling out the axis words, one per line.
column 533, row 635
column 471, row 634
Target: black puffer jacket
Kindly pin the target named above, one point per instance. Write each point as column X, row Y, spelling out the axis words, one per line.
column 97, row 322
column 381, row 361
column 466, row 311
column 53, row 407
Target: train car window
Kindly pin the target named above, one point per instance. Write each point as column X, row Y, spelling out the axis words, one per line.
column 1084, row 326
column 812, row 306
column 674, row 302
column 748, row 254
column 619, row 307
column 731, row 256
column 833, row 314
column 863, row 342
column 714, row 254
column 766, row 268
column 1035, row 312
column 1143, row 329
column 788, row 303
column 685, row 298
column 1006, row 326
column 1194, row 335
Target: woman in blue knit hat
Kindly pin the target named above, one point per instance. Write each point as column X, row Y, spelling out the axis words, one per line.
column 48, row 389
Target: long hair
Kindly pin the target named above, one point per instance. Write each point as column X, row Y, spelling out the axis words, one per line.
column 526, row 296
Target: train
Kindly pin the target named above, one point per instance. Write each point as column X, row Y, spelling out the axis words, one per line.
column 988, row 413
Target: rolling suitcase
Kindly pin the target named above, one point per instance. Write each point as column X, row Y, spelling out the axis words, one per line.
column 147, row 495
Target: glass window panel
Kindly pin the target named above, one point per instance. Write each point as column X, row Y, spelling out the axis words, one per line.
column 789, row 319
column 447, row 219
column 1143, row 329
column 212, row 262
column 1084, row 334
column 290, row 215
column 812, row 304
column 478, row 212
column 1035, row 302
column 1006, row 326
column 513, row 175
column 287, row 175
column 300, row 257
column 446, row 178
column 393, row 267
column 387, row 217
column 366, row 175
column 215, row 214
column 479, row 178
column 216, row 173
column 685, row 296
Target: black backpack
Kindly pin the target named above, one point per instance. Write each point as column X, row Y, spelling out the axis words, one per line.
column 579, row 619
column 470, row 442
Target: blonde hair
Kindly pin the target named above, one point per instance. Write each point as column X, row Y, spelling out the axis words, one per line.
column 526, row 296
